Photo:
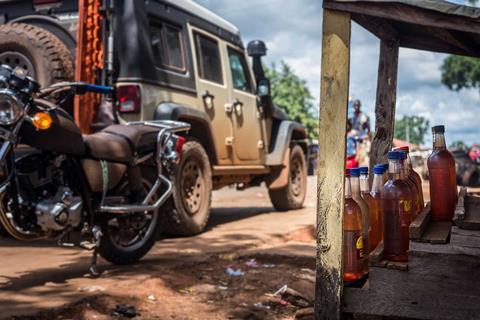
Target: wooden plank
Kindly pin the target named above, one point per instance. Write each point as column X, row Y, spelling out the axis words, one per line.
column 331, row 174
column 385, row 104
column 408, row 14
column 420, row 223
column 443, row 284
column 465, row 238
column 376, row 256
column 379, row 27
column 437, row 232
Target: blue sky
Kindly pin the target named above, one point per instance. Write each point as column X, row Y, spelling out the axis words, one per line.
column 292, row 31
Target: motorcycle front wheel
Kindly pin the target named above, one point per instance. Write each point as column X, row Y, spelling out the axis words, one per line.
column 127, row 238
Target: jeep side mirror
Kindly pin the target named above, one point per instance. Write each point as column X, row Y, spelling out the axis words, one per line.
column 263, row 88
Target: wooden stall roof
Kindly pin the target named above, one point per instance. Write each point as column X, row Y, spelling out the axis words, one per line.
column 433, row 25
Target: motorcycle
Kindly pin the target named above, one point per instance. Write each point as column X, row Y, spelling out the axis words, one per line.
column 56, row 183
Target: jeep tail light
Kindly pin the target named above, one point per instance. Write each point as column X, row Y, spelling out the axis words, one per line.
column 129, row 98
column 179, row 145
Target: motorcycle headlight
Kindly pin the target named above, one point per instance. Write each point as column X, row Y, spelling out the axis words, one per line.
column 10, row 107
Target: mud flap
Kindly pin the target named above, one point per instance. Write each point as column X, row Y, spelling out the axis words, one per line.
column 278, row 179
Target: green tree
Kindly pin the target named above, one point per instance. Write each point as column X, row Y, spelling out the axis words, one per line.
column 412, row 129
column 291, row 94
column 460, row 72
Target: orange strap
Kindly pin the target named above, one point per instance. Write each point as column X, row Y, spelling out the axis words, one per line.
column 89, row 60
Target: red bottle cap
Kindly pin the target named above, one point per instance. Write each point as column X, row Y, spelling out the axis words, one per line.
column 402, row 148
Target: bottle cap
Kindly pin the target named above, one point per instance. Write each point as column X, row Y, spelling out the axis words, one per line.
column 363, row 170
column 347, row 172
column 438, row 129
column 402, row 148
column 379, row 169
column 403, row 155
column 395, row 155
column 384, row 166
column 355, row 172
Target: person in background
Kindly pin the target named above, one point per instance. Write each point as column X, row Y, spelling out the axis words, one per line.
column 360, row 129
column 360, row 121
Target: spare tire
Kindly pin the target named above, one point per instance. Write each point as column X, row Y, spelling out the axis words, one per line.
column 36, row 50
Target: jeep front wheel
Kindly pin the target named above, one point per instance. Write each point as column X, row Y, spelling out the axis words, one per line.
column 293, row 194
column 192, row 192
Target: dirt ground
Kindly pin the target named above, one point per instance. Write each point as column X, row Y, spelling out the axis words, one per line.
column 184, row 278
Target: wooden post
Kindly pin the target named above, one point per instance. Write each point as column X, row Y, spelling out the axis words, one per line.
column 331, row 175
column 386, row 99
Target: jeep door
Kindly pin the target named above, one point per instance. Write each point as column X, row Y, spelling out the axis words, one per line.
column 248, row 123
column 213, row 95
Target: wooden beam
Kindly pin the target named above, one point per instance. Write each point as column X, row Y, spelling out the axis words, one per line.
column 406, row 13
column 331, row 177
column 385, row 104
column 379, row 27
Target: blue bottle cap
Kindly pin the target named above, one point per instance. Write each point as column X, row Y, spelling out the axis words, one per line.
column 363, row 170
column 403, row 154
column 395, row 155
column 355, row 172
column 379, row 169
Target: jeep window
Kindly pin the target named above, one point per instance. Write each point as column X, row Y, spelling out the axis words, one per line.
column 167, row 46
column 238, row 67
column 208, row 59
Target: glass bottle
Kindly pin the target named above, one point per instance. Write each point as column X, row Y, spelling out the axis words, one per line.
column 373, row 236
column 384, row 166
column 352, row 237
column 377, row 187
column 443, row 184
column 396, row 205
column 356, row 195
column 411, row 185
column 413, row 175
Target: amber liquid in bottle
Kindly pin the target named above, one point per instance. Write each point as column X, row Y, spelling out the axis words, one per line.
column 416, row 202
column 443, row 185
column 352, row 238
column 373, row 235
column 376, row 193
column 356, row 195
column 417, row 181
column 397, row 212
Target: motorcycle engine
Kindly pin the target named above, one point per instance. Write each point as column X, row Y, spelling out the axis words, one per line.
column 45, row 199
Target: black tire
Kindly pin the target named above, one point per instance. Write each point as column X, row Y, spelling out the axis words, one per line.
column 121, row 256
column 470, row 178
column 47, row 59
column 189, row 211
column 293, row 195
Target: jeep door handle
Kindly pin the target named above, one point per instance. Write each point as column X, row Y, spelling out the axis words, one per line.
column 238, row 106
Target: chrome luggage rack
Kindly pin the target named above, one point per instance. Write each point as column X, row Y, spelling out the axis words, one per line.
column 167, row 128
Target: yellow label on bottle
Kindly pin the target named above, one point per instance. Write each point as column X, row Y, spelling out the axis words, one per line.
column 359, row 246
column 406, row 204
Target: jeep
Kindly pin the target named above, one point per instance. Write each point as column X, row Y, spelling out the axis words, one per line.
column 176, row 60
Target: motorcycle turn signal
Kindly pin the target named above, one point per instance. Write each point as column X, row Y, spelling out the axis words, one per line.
column 42, row 120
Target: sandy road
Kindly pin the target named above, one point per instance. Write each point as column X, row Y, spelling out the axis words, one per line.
column 37, row 276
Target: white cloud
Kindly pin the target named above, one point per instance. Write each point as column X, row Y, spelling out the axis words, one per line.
column 292, row 31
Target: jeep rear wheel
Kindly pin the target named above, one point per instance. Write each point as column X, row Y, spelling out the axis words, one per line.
column 192, row 192
column 293, row 194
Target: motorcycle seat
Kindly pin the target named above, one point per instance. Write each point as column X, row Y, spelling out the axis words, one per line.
column 119, row 143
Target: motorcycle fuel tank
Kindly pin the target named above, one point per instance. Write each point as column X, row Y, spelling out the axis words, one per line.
column 63, row 136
